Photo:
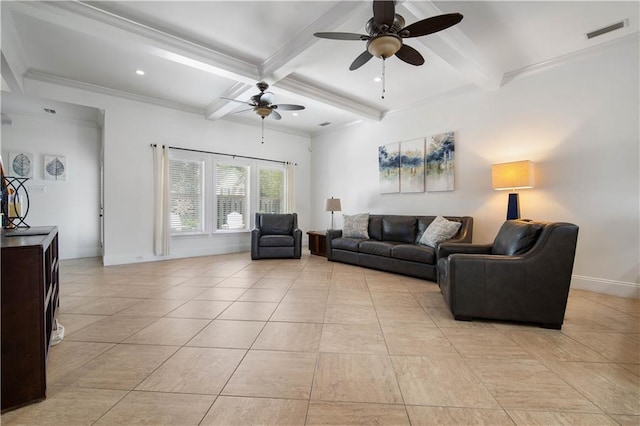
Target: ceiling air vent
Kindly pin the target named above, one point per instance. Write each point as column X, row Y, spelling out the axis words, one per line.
column 326, row 123
column 607, row 29
column 49, row 110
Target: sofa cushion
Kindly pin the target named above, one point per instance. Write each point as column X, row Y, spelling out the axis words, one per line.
column 379, row 248
column 440, row 229
column 356, row 226
column 399, row 228
column 516, row 237
column 375, row 227
column 350, row 244
column 276, row 241
column 276, row 224
column 414, row 253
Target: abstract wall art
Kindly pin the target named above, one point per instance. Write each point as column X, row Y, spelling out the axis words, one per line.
column 389, row 168
column 55, row 167
column 440, row 162
column 412, row 166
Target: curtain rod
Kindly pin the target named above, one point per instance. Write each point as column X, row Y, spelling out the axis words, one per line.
column 228, row 155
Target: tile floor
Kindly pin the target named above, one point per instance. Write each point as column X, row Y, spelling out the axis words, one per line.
column 229, row 341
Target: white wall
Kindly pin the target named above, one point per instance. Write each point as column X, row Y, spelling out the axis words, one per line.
column 579, row 123
column 73, row 204
column 129, row 129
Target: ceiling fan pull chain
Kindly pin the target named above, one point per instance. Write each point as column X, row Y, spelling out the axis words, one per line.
column 383, row 76
column 262, row 129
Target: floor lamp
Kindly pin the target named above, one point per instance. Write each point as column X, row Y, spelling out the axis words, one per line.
column 332, row 205
column 512, row 176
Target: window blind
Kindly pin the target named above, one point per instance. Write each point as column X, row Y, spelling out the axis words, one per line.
column 232, row 196
column 186, row 182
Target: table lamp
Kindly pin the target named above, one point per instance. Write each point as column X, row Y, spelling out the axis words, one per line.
column 512, row 176
column 332, row 205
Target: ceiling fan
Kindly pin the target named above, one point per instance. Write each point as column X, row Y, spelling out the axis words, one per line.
column 263, row 105
column 386, row 33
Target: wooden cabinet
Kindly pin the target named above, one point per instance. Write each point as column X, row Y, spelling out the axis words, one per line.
column 318, row 243
column 30, row 299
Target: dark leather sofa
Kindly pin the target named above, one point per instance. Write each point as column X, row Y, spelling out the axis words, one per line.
column 276, row 236
column 392, row 245
column 524, row 275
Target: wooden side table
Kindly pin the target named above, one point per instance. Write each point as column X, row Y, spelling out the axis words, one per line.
column 318, row 243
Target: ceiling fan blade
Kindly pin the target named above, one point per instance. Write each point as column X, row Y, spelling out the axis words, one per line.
column 431, row 25
column 342, row 36
column 384, row 12
column 242, row 110
column 235, row 100
column 289, row 107
column 275, row 115
column 410, row 55
column 361, row 60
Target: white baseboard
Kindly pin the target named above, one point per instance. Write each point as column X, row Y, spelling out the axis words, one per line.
column 80, row 253
column 228, row 249
column 601, row 285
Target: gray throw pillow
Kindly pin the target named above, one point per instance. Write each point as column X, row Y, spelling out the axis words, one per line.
column 440, row 229
column 356, row 226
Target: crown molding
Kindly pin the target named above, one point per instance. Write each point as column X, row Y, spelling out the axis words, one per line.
column 56, row 118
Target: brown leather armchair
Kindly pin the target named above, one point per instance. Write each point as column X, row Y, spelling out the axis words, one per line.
column 276, row 236
column 523, row 276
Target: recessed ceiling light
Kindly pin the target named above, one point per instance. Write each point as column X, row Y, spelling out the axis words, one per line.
column 295, row 114
column 377, row 79
column 139, row 72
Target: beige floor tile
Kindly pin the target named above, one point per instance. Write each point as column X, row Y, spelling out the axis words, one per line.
column 484, row 344
column 262, row 295
column 228, row 294
column 201, row 282
column 544, row 418
column 440, row 381
column 206, row 309
column 634, row 368
column 626, row 420
column 105, row 290
column 415, row 313
column 282, row 274
column 296, row 295
column 194, row 370
column 350, row 285
column 273, row 283
column 62, row 407
column 121, row 367
column 616, row 347
column 228, row 334
column 436, row 416
column 406, row 338
column 431, row 300
column 299, row 312
column 311, row 285
column 168, row 331
column 153, row 307
column 140, row 291
column 350, row 314
column 288, row 336
column 157, row 408
column 394, row 299
column 611, row 387
column 443, row 319
column 355, row 378
column 69, row 356
column 180, row 293
column 529, row 385
column 75, row 322
column 349, row 297
column 272, row 374
column 343, row 413
column 240, row 282
column 386, row 286
column 100, row 306
column 551, row 345
column 353, row 338
column 241, row 411
column 114, row 329
column 249, row 311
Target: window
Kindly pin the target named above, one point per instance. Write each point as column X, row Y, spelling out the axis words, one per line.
column 186, row 182
column 232, row 196
column 271, row 190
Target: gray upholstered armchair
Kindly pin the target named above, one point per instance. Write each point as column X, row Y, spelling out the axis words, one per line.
column 276, row 236
column 523, row 276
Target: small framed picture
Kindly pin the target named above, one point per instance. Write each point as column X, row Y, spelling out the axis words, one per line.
column 21, row 164
column 55, row 167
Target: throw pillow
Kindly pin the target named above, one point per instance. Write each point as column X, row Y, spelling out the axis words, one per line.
column 440, row 229
column 356, row 226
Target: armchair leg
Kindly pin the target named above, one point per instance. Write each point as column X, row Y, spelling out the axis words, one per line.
column 462, row 318
column 552, row 326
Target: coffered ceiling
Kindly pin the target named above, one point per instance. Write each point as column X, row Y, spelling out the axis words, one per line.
column 195, row 53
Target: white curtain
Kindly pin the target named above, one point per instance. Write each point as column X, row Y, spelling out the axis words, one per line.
column 161, row 225
column 289, row 187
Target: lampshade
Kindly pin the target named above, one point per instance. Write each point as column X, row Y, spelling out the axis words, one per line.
column 332, row 205
column 384, row 46
column 516, row 175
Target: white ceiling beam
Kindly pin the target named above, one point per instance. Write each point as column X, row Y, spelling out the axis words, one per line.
column 221, row 107
column 13, row 64
column 455, row 48
column 297, row 51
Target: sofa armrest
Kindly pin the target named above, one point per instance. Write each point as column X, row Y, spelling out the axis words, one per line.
column 297, row 243
column 255, row 239
column 448, row 248
column 331, row 234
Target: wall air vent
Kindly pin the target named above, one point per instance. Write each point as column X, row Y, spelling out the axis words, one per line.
column 326, row 123
column 607, row 29
column 49, row 110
